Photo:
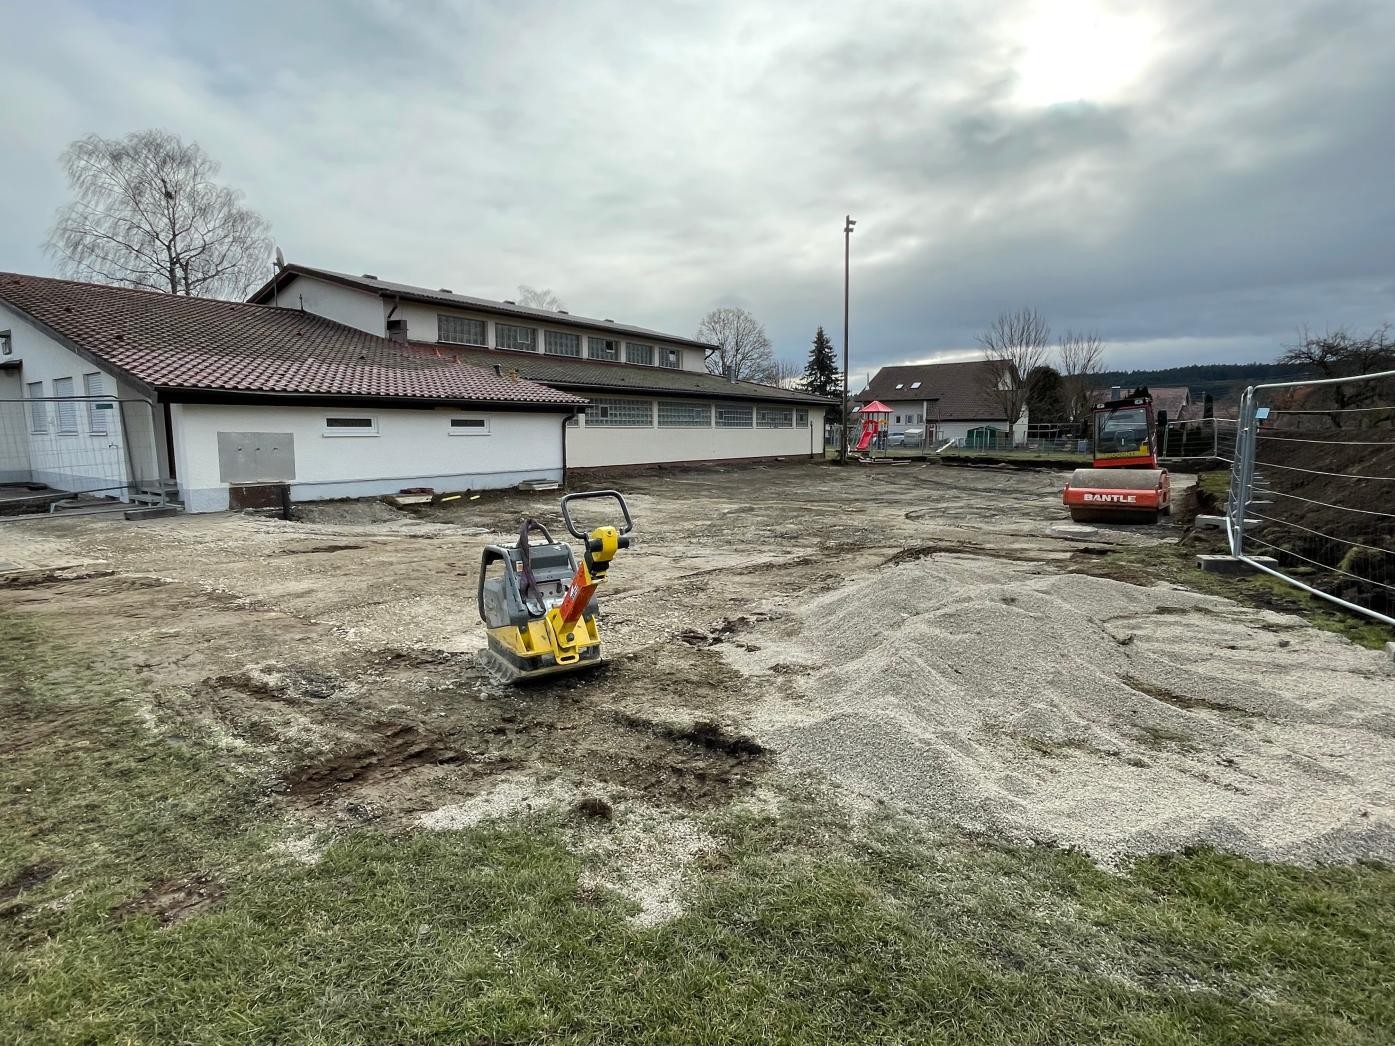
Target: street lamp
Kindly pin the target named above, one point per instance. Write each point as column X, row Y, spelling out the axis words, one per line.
column 843, row 427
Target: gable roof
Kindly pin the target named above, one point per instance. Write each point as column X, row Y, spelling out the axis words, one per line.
column 601, row 376
column 953, row 391
column 173, row 342
column 387, row 289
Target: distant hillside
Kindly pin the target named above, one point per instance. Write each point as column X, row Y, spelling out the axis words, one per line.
column 1224, row 381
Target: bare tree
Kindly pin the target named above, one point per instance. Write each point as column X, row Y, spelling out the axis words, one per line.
column 788, row 374
column 743, row 351
column 1341, row 354
column 1081, row 360
column 539, row 298
column 1014, row 345
column 146, row 212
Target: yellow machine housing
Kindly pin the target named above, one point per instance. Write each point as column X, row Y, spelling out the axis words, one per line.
column 539, row 607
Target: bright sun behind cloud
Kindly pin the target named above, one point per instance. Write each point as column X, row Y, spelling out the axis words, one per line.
column 1079, row 51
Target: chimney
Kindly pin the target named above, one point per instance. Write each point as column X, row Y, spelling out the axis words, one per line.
column 397, row 331
column 498, row 370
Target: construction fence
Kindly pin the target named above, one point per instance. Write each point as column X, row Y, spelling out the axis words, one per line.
column 61, row 450
column 1313, row 486
column 1198, row 438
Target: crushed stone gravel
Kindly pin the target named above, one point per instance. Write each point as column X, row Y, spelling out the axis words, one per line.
column 1084, row 712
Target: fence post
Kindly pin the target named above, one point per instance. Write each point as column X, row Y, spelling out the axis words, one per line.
column 1242, row 473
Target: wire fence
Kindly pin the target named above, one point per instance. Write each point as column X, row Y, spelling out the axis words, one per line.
column 1313, row 487
column 64, row 449
column 1198, row 438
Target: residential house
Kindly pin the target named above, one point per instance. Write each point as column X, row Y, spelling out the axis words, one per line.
column 1174, row 399
column 950, row 401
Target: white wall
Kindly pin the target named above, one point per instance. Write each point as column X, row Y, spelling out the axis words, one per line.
column 596, row 446
column 909, row 409
column 413, row 448
column 368, row 312
column 337, row 302
column 84, row 460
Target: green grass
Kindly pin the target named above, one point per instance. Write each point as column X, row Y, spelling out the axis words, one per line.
column 807, row 929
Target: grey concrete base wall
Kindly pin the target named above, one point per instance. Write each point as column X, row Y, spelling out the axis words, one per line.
column 693, row 463
column 78, row 484
column 215, row 499
column 17, row 476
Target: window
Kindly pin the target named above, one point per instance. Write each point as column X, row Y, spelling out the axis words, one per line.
column 620, row 413
column 38, row 410
column 559, row 344
column 900, row 385
column 469, row 426
column 7, row 343
column 67, row 406
column 684, row 415
column 801, row 418
column 915, row 384
column 459, row 330
column 508, row 336
column 898, row 420
column 730, row 417
column 670, row 358
column 359, row 425
column 637, row 352
column 97, row 410
column 775, row 418
column 603, row 349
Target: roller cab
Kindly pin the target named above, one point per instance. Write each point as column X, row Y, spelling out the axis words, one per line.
column 1124, row 484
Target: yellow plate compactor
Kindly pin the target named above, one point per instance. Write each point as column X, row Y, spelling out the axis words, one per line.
column 539, row 605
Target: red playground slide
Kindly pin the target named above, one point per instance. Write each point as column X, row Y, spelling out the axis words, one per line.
column 869, row 430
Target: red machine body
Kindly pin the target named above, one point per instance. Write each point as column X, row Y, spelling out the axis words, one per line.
column 1124, row 484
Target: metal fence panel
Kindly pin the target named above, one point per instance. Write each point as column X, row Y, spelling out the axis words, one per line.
column 1198, row 438
column 1313, row 486
column 54, row 448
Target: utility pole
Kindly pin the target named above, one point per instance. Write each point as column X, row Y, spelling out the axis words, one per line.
column 848, row 224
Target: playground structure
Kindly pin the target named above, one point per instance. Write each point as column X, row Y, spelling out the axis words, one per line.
column 876, row 419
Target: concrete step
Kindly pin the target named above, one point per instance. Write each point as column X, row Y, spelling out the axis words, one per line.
column 147, row 497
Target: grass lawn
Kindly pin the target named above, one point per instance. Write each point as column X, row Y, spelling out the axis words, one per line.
column 805, row 929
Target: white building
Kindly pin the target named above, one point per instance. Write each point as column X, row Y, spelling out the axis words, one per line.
column 950, row 401
column 116, row 391
column 651, row 400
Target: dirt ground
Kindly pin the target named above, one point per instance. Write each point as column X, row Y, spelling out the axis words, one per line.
column 914, row 635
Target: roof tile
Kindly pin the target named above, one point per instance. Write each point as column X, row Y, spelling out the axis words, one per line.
column 956, row 391
column 169, row 341
column 570, row 372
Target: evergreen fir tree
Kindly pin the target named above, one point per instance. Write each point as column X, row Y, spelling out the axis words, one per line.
column 821, row 375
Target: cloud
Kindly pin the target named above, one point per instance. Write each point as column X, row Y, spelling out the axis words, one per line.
column 1220, row 180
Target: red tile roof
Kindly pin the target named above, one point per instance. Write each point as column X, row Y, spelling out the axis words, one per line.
column 172, row 342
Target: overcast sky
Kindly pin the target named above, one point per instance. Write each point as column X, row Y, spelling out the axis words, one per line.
column 1192, row 179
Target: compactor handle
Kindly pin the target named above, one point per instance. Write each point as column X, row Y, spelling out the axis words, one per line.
column 491, row 554
column 624, row 511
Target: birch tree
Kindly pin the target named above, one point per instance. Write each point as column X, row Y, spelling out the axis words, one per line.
column 148, row 212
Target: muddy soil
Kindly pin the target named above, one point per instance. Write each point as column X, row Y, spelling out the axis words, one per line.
column 332, row 653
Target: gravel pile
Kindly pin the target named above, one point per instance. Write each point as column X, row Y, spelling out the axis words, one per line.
column 1085, row 712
